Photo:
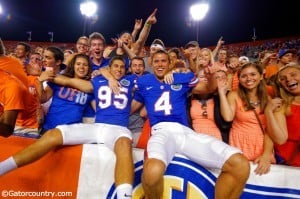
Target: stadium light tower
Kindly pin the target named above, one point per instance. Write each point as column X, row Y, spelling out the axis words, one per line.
column 1, row 9
column 88, row 9
column 198, row 12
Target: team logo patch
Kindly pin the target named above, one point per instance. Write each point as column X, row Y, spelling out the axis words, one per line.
column 125, row 82
column 176, row 87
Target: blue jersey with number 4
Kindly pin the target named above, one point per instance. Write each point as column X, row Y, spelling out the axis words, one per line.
column 111, row 108
column 164, row 102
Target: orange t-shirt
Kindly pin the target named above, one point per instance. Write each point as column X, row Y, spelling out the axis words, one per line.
column 204, row 124
column 270, row 71
column 11, row 92
column 234, row 81
column 29, row 117
column 15, row 67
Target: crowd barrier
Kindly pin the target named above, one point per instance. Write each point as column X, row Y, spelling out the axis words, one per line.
column 86, row 172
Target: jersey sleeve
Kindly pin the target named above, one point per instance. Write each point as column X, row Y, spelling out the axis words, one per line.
column 185, row 78
column 138, row 91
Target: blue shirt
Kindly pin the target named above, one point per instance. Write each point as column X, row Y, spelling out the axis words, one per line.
column 111, row 108
column 164, row 102
column 67, row 106
column 104, row 63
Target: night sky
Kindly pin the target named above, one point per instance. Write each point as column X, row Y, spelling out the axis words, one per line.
column 235, row 20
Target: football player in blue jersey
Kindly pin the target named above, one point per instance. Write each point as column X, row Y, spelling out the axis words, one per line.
column 166, row 108
column 110, row 129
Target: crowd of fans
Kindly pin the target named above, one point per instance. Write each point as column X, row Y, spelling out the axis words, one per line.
column 244, row 98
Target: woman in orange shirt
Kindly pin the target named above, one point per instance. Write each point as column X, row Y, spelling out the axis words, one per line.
column 245, row 108
column 205, row 112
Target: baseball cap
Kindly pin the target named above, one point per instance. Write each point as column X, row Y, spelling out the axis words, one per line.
column 244, row 58
column 284, row 51
column 191, row 44
column 158, row 44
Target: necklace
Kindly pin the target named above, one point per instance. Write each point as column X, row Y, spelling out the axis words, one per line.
column 255, row 103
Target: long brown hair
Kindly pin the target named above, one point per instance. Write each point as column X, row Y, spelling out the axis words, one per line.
column 261, row 88
column 69, row 71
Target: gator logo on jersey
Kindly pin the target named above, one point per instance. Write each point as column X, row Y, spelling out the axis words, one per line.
column 176, row 87
column 125, row 82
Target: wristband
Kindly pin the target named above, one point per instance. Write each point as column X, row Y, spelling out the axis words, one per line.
column 148, row 24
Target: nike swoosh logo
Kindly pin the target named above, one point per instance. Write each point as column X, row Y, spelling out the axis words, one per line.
column 127, row 196
column 148, row 88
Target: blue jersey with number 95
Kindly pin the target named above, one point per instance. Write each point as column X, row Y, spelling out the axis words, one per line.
column 111, row 108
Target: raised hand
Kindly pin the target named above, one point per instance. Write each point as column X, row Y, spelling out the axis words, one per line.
column 222, row 86
column 138, row 24
column 152, row 18
column 46, row 76
column 114, row 85
column 274, row 104
column 220, row 41
column 114, row 40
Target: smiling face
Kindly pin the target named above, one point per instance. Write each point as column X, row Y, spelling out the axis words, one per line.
column 82, row 45
column 137, row 66
column 286, row 58
column 117, row 68
column 193, row 50
column 160, row 64
column 97, row 48
column 222, row 55
column 250, row 77
column 81, row 67
column 126, row 38
column 289, row 79
column 20, row 51
column 205, row 57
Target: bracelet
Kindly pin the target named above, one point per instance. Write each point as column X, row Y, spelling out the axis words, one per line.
column 148, row 24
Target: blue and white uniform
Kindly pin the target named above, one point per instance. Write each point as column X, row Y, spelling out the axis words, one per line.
column 112, row 115
column 67, row 106
column 164, row 102
column 166, row 108
column 111, row 108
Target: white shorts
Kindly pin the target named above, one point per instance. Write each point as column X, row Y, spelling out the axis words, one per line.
column 168, row 138
column 98, row 133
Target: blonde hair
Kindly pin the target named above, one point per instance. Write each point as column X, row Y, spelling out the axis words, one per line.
column 211, row 62
column 284, row 94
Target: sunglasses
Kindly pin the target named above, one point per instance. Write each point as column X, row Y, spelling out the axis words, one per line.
column 204, row 108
